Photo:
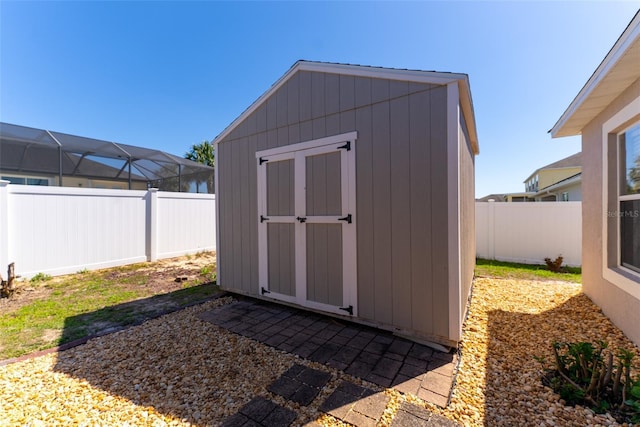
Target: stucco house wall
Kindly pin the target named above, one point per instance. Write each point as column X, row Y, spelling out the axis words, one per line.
column 607, row 107
column 622, row 307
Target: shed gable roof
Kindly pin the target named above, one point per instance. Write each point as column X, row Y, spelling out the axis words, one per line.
column 617, row 71
column 418, row 76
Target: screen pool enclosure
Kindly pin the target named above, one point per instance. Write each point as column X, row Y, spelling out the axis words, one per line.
column 42, row 157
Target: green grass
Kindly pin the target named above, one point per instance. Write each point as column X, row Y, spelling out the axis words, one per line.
column 510, row 270
column 85, row 303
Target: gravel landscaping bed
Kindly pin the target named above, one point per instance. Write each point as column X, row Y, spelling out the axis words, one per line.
column 179, row 370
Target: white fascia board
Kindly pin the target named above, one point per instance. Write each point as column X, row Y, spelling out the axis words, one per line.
column 430, row 77
column 531, row 176
column 560, row 185
column 628, row 37
column 466, row 103
column 257, row 103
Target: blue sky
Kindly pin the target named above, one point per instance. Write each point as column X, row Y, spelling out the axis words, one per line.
column 170, row 74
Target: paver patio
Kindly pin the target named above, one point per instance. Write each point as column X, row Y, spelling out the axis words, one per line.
column 373, row 355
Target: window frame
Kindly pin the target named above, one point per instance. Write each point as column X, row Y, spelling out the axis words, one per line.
column 612, row 269
column 622, row 195
column 26, row 178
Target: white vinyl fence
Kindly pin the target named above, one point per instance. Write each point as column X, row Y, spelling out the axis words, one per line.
column 61, row 230
column 529, row 232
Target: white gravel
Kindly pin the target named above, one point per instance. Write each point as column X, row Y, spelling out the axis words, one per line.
column 178, row 370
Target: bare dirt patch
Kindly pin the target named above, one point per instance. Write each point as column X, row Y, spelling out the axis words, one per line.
column 160, row 277
column 61, row 310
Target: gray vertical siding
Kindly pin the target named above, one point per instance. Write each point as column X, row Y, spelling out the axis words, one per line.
column 323, row 184
column 324, row 263
column 280, row 188
column 281, row 260
column 467, row 214
column 401, row 193
column 439, row 214
column 400, row 162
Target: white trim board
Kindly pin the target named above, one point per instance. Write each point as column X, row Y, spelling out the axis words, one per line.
column 453, row 207
column 624, row 42
column 298, row 153
column 430, row 77
column 307, row 145
column 614, row 125
column 216, row 162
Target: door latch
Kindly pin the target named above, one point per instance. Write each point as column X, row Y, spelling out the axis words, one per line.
column 301, row 219
column 346, row 146
column 346, row 218
column 348, row 309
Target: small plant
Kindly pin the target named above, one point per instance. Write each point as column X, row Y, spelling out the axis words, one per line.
column 555, row 265
column 209, row 272
column 41, row 277
column 83, row 271
column 584, row 373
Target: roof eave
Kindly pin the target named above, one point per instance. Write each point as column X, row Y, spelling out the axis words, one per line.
column 431, row 77
column 567, row 124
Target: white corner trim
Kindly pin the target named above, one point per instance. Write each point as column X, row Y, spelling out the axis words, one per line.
column 453, row 208
column 216, row 162
column 613, row 125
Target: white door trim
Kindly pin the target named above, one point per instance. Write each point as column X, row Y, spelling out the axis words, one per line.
column 299, row 152
column 349, row 136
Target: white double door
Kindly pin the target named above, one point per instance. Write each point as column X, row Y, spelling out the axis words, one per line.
column 307, row 224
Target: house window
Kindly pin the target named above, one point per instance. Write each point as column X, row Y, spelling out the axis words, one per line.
column 565, row 196
column 22, row 180
column 629, row 197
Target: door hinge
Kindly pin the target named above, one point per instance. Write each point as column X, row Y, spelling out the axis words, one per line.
column 264, row 291
column 346, row 218
column 263, row 160
column 348, row 309
column 263, row 218
column 346, row 146
column 301, row 219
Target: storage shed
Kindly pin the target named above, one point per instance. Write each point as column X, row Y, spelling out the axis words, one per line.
column 350, row 190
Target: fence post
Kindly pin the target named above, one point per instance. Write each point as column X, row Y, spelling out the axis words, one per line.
column 491, row 229
column 152, row 224
column 4, row 223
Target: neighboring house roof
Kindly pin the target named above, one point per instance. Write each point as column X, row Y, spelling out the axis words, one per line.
column 574, row 179
column 617, row 71
column 494, row 197
column 432, row 77
column 573, row 161
column 30, row 150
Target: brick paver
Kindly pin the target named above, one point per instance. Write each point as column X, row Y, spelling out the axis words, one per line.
column 374, row 355
column 261, row 412
column 410, row 415
column 356, row 405
column 300, row 384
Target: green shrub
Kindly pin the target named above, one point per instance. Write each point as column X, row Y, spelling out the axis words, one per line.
column 41, row 277
column 592, row 375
